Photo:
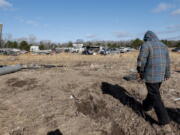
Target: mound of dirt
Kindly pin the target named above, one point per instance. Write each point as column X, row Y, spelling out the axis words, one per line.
column 85, row 99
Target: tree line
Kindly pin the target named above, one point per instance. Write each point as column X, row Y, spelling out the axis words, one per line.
column 24, row 45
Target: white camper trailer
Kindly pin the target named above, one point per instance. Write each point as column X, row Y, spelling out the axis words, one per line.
column 34, row 48
column 78, row 48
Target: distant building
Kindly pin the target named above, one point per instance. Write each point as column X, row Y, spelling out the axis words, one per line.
column 78, row 48
column 34, row 48
column 78, row 45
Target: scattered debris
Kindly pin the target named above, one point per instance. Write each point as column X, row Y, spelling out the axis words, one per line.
column 133, row 70
column 177, row 99
column 176, row 49
column 17, row 131
column 12, row 51
column 15, row 68
column 10, row 69
column 71, row 97
column 131, row 77
column 36, row 66
column 42, row 52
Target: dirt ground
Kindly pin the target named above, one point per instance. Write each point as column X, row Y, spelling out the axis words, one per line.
column 87, row 95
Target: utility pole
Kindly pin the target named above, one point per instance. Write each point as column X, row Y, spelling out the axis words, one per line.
column 1, row 27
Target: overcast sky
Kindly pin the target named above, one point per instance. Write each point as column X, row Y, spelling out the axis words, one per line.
column 68, row 20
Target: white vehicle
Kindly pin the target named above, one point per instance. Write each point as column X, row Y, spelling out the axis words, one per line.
column 126, row 49
column 34, row 48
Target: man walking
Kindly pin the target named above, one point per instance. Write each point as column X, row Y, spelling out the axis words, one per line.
column 153, row 66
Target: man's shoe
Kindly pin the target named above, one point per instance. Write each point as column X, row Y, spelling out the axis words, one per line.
column 146, row 109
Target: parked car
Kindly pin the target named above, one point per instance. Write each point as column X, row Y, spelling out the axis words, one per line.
column 125, row 49
column 114, row 51
column 104, row 52
column 176, row 49
column 87, row 52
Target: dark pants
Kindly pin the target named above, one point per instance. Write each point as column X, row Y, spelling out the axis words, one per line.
column 153, row 100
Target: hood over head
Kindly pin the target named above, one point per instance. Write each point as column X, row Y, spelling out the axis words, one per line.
column 150, row 36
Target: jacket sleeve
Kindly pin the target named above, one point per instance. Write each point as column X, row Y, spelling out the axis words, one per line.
column 142, row 58
column 168, row 67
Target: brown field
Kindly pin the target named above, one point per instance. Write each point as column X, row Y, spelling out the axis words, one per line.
column 70, row 97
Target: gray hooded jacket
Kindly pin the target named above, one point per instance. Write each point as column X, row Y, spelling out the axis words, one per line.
column 153, row 60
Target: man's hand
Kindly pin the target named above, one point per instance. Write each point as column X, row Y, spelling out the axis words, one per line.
column 137, row 75
column 140, row 76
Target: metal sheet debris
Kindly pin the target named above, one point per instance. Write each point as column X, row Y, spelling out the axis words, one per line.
column 130, row 77
column 10, row 69
column 15, row 68
column 177, row 99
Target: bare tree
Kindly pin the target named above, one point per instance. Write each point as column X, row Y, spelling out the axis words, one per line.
column 32, row 39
